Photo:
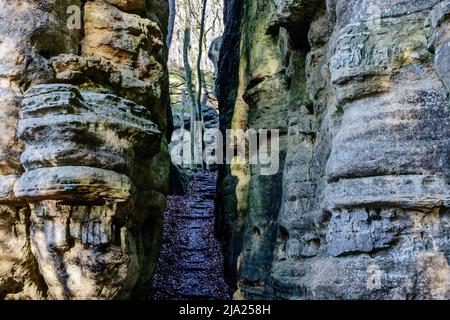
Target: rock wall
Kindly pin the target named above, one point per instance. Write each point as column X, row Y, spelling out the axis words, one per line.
column 359, row 91
column 83, row 155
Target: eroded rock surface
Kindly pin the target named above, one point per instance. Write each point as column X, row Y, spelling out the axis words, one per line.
column 359, row 92
column 84, row 160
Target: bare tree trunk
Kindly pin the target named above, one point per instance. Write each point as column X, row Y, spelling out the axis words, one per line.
column 199, row 59
column 188, row 73
column 199, row 72
column 171, row 23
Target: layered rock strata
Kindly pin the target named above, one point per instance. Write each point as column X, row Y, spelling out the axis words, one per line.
column 359, row 92
column 84, row 149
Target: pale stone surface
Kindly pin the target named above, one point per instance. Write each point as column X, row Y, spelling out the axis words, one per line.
column 24, row 52
column 213, row 27
column 128, row 5
column 130, row 44
column 19, row 277
column 61, row 126
column 73, row 183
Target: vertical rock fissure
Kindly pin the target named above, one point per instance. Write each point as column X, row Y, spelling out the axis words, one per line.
column 359, row 91
column 190, row 264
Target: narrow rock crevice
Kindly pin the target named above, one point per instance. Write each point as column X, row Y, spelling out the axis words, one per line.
column 190, row 265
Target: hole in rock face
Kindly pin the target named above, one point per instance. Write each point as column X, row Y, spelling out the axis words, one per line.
column 46, row 54
column 116, row 227
column 284, row 238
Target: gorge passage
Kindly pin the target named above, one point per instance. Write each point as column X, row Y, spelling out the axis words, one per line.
column 91, row 206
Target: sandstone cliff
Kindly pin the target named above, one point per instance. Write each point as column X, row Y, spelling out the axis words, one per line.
column 83, row 153
column 359, row 91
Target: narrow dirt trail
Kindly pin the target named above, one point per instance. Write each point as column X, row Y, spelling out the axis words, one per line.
column 190, row 266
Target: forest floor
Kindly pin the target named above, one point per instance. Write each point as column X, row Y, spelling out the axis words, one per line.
column 190, row 266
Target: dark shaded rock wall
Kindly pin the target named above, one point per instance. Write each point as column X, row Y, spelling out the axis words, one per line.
column 83, row 155
column 359, row 92
column 229, row 217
